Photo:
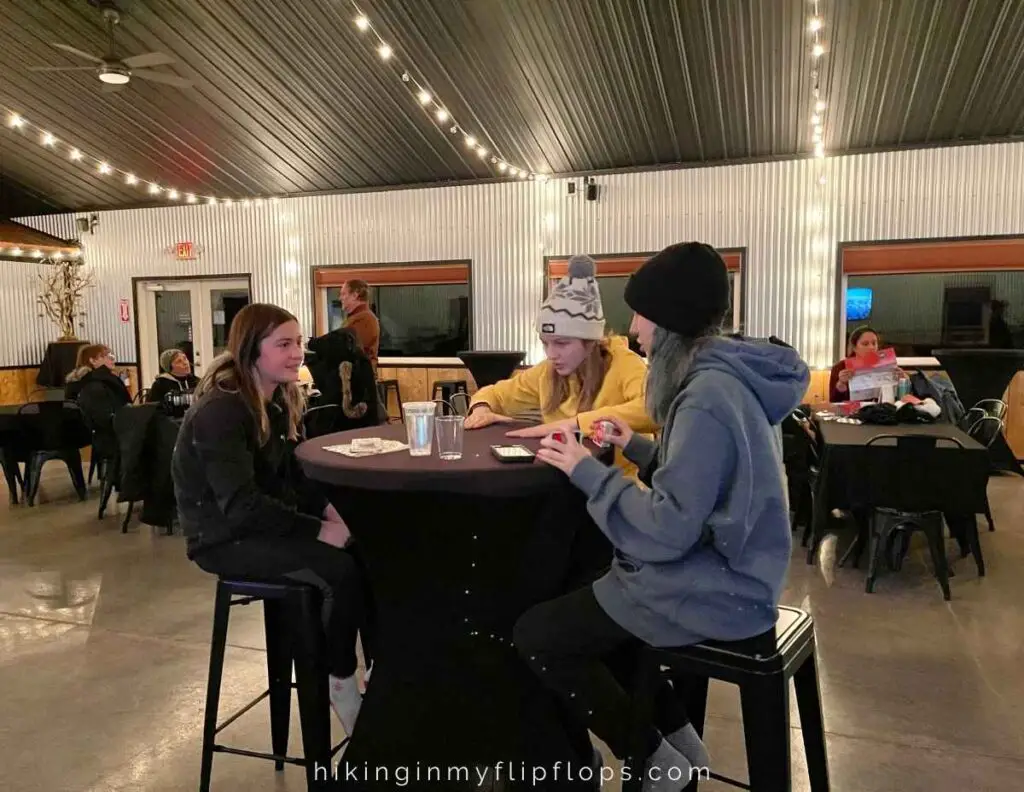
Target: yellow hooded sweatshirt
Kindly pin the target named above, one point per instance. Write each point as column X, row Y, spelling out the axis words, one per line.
column 621, row 394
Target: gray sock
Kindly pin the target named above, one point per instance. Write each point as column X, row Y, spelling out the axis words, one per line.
column 689, row 744
column 672, row 773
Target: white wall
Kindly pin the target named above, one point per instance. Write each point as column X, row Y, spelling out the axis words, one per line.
column 789, row 224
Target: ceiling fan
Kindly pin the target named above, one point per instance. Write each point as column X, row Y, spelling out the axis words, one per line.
column 115, row 72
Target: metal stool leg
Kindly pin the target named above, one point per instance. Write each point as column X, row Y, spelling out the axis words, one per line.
column 314, row 695
column 218, row 643
column 812, row 725
column 765, row 705
column 279, row 675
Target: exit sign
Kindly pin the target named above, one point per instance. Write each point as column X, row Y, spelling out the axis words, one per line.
column 185, row 250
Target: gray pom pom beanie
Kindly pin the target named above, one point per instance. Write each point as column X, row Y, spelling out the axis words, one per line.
column 573, row 308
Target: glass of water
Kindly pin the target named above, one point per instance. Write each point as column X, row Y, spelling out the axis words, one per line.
column 419, row 426
column 449, row 430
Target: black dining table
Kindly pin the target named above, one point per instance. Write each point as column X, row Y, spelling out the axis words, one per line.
column 455, row 552
column 852, row 473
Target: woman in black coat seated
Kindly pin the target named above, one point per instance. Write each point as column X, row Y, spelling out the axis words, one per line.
column 175, row 376
column 344, row 376
column 99, row 393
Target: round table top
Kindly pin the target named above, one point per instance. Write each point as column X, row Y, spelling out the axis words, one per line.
column 477, row 473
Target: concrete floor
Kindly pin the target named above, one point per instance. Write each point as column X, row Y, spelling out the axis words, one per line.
column 104, row 649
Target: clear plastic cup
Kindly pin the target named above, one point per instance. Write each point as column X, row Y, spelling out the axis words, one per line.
column 419, row 426
column 449, row 430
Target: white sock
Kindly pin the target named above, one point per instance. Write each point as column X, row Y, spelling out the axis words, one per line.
column 667, row 770
column 689, row 744
column 346, row 700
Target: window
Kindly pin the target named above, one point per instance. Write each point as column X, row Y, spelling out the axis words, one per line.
column 613, row 273
column 927, row 295
column 918, row 312
column 424, row 310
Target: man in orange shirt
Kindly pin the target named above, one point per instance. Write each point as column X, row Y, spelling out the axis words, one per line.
column 355, row 295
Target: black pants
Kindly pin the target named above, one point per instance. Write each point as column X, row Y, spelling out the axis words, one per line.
column 579, row 652
column 336, row 573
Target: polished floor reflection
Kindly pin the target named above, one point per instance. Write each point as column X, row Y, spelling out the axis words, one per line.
column 104, row 649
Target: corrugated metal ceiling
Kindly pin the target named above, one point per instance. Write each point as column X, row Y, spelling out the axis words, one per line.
column 289, row 98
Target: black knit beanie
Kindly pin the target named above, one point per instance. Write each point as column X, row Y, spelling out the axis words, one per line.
column 684, row 288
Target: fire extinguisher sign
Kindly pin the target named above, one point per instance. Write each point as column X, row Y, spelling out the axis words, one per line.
column 124, row 310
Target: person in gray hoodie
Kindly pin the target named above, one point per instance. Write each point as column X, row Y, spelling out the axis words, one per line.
column 700, row 553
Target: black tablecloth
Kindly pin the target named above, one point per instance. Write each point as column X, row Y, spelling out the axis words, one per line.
column 854, row 475
column 451, row 571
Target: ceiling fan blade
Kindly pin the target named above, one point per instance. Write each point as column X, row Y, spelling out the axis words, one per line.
column 149, row 59
column 60, row 68
column 112, row 87
column 160, row 77
column 78, row 52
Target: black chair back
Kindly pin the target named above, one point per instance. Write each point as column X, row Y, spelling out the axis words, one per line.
column 910, row 477
column 318, row 421
column 985, row 430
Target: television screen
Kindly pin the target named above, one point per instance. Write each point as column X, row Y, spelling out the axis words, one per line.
column 858, row 304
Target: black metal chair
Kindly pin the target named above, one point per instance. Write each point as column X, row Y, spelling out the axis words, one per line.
column 763, row 680
column 53, row 430
column 986, row 430
column 914, row 503
column 294, row 635
column 445, row 390
column 802, row 461
column 318, row 421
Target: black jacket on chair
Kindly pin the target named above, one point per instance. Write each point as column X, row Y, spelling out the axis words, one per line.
column 228, row 486
column 344, row 376
column 99, row 393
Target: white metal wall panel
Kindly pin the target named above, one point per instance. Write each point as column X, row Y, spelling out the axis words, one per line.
column 788, row 222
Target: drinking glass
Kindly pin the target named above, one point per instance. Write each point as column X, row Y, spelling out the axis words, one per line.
column 419, row 426
column 449, row 430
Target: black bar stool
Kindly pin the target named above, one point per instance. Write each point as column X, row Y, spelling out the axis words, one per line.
column 293, row 634
column 385, row 387
column 764, row 695
column 445, row 390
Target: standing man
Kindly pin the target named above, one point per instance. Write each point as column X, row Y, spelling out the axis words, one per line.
column 355, row 295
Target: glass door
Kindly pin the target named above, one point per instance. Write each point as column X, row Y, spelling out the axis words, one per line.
column 191, row 315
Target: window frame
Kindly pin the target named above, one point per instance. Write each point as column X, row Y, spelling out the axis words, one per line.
column 404, row 273
column 1002, row 252
column 617, row 265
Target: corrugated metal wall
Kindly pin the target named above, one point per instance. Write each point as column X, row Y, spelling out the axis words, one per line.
column 789, row 223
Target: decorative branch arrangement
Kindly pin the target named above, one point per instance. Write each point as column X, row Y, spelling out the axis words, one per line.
column 62, row 285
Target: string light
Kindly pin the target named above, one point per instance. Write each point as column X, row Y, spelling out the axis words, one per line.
column 818, row 51
column 103, row 167
column 428, row 100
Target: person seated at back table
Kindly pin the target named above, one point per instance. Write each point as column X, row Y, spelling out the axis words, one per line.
column 702, row 553
column 864, row 342
column 344, row 375
column 244, row 504
column 175, row 376
column 586, row 374
column 99, row 393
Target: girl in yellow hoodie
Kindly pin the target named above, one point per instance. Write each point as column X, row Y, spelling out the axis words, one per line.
column 586, row 375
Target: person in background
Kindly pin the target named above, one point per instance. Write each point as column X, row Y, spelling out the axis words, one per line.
column 585, row 375
column 864, row 342
column 175, row 376
column 355, row 295
column 243, row 502
column 702, row 553
column 98, row 391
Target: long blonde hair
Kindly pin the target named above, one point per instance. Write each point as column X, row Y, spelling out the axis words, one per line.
column 590, row 375
column 235, row 370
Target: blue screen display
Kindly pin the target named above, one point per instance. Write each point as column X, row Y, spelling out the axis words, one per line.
column 858, row 304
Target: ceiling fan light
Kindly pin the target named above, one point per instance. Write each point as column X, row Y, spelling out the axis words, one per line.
column 114, row 77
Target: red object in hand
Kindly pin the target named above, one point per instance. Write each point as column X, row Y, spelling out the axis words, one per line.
column 560, row 437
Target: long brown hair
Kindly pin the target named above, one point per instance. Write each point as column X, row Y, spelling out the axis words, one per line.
column 235, row 370
column 590, row 375
column 88, row 353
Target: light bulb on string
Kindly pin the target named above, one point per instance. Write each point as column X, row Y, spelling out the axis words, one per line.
column 470, row 141
column 75, row 155
column 384, row 51
column 815, row 24
column 815, row 119
column 424, row 97
column 154, row 189
column 103, row 168
column 819, row 106
column 47, row 139
column 172, row 194
column 190, row 198
column 362, row 22
column 442, row 115
column 481, row 152
column 503, row 166
column 819, row 149
column 15, row 121
column 211, row 201
column 818, row 51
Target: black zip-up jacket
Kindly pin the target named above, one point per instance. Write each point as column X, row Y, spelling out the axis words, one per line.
column 228, row 487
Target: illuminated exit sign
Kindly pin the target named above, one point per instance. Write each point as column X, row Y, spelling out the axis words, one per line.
column 185, row 251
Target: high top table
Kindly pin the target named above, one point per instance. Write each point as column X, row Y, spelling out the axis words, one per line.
column 456, row 552
column 979, row 374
